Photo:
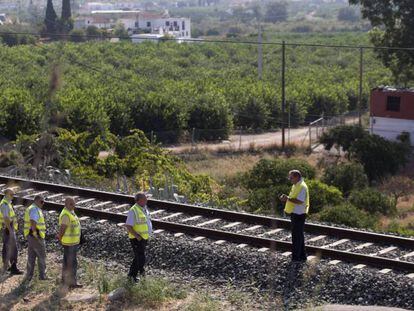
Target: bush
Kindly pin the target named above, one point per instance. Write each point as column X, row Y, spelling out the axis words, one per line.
column 268, row 179
column 372, row 201
column 342, row 136
column 322, row 195
column 379, row 156
column 77, row 35
column 348, row 215
column 346, row 177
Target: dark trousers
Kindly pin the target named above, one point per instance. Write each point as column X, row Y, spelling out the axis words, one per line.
column 9, row 251
column 298, row 237
column 70, row 265
column 139, row 257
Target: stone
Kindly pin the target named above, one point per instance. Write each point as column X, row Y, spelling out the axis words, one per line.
column 117, row 294
column 81, row 297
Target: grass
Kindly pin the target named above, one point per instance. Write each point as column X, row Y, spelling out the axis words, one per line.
column 202, row 302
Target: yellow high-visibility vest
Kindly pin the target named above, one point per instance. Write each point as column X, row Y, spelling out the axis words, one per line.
column 40, row 225
column 141, row 225
column 73, row 230
column 12, row 214
column 293, row 194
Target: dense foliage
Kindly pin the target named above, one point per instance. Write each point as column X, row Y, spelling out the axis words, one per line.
column 170, row 88
column 372, row 201
column 378, row 156
column 346, row 177
column 348, row 215
column 394, row 21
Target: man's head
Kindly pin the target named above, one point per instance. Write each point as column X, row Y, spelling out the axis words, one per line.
column 295, row 176
column 9, row 193
column 70, row 203
column 141, row 198
column 39, row 200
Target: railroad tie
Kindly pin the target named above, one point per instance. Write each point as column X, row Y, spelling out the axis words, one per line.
column 335, row 243
column 263, row 249
column 156, row 212
column 209, row 222
column 199, row 238
column 171, row 216
column 385, row 271
column 241, row 245
column 191, row 218
column 102, row 221
column 334, row 262
column 219, row 242
column 179, row 234
column 317, row 238
column 231, row 225
column 411, row 275
column 252, row 228
column 271, row 232
column 158, row 231
column 360, row 266
column 408, row 255
column 286, row 254
column 84, row 201
column 54, row 195
column 384, row 251
column 102, row 204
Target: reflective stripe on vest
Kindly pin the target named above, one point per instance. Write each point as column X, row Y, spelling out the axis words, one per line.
column 12, row 214
column 294, row 192
column 40, row 225
column 73, row 230
column 140, row 225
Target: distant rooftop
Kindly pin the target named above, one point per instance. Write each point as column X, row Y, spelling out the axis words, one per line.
column 115, row 12
column 387, row 88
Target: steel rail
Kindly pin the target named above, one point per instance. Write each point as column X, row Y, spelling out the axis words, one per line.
column 271, row 222
column 274, row 245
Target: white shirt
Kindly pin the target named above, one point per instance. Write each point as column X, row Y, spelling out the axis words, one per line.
column 131, row 218
column 300, row 209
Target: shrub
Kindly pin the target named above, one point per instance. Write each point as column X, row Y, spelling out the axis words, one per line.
column 348, row 215
column 346, row 177
column 268, row 179
column 322, row 195
column 379, row 156
column 342, row 136
column 372, row 201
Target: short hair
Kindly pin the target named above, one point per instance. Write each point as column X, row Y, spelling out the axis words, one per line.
column 139, row 196
column 39, row 197
column 9, row 190
column 295, row 173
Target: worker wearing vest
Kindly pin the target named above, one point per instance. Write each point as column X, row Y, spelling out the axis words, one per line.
column 69, row 236
column 297, row 206
column 139, row 228
column 9, row 226
column 35, row 232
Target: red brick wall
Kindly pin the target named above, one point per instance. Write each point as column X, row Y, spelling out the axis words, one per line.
column 378, row 104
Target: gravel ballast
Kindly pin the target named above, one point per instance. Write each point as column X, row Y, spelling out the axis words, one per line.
column 270, row 273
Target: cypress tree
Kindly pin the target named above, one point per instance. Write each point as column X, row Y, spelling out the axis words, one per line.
column 66, row 11
column 51, row 18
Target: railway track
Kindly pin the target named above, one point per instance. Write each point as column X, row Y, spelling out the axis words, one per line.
column 361, row 248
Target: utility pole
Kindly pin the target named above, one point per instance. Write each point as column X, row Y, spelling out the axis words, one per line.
column 283, row 92
column 361, row 69
column 260, row 52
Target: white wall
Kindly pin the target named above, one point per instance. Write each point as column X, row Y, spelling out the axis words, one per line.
column 390, row 128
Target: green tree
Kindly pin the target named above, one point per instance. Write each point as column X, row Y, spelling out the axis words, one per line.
column 372, row 201
column 276, row 12
column 346, row 177
column 347, row 14
column 51, row 20
column 394, row 27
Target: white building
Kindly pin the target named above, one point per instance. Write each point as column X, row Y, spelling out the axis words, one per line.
column 392, row 112
column 154, row 23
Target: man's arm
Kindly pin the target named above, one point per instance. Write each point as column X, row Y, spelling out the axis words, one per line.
column 6, row 216
column 61, row 232
column 133, row 232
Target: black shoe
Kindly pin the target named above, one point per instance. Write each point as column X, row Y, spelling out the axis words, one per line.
column 73, row 286
column 133, row 279
column 16, row 272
